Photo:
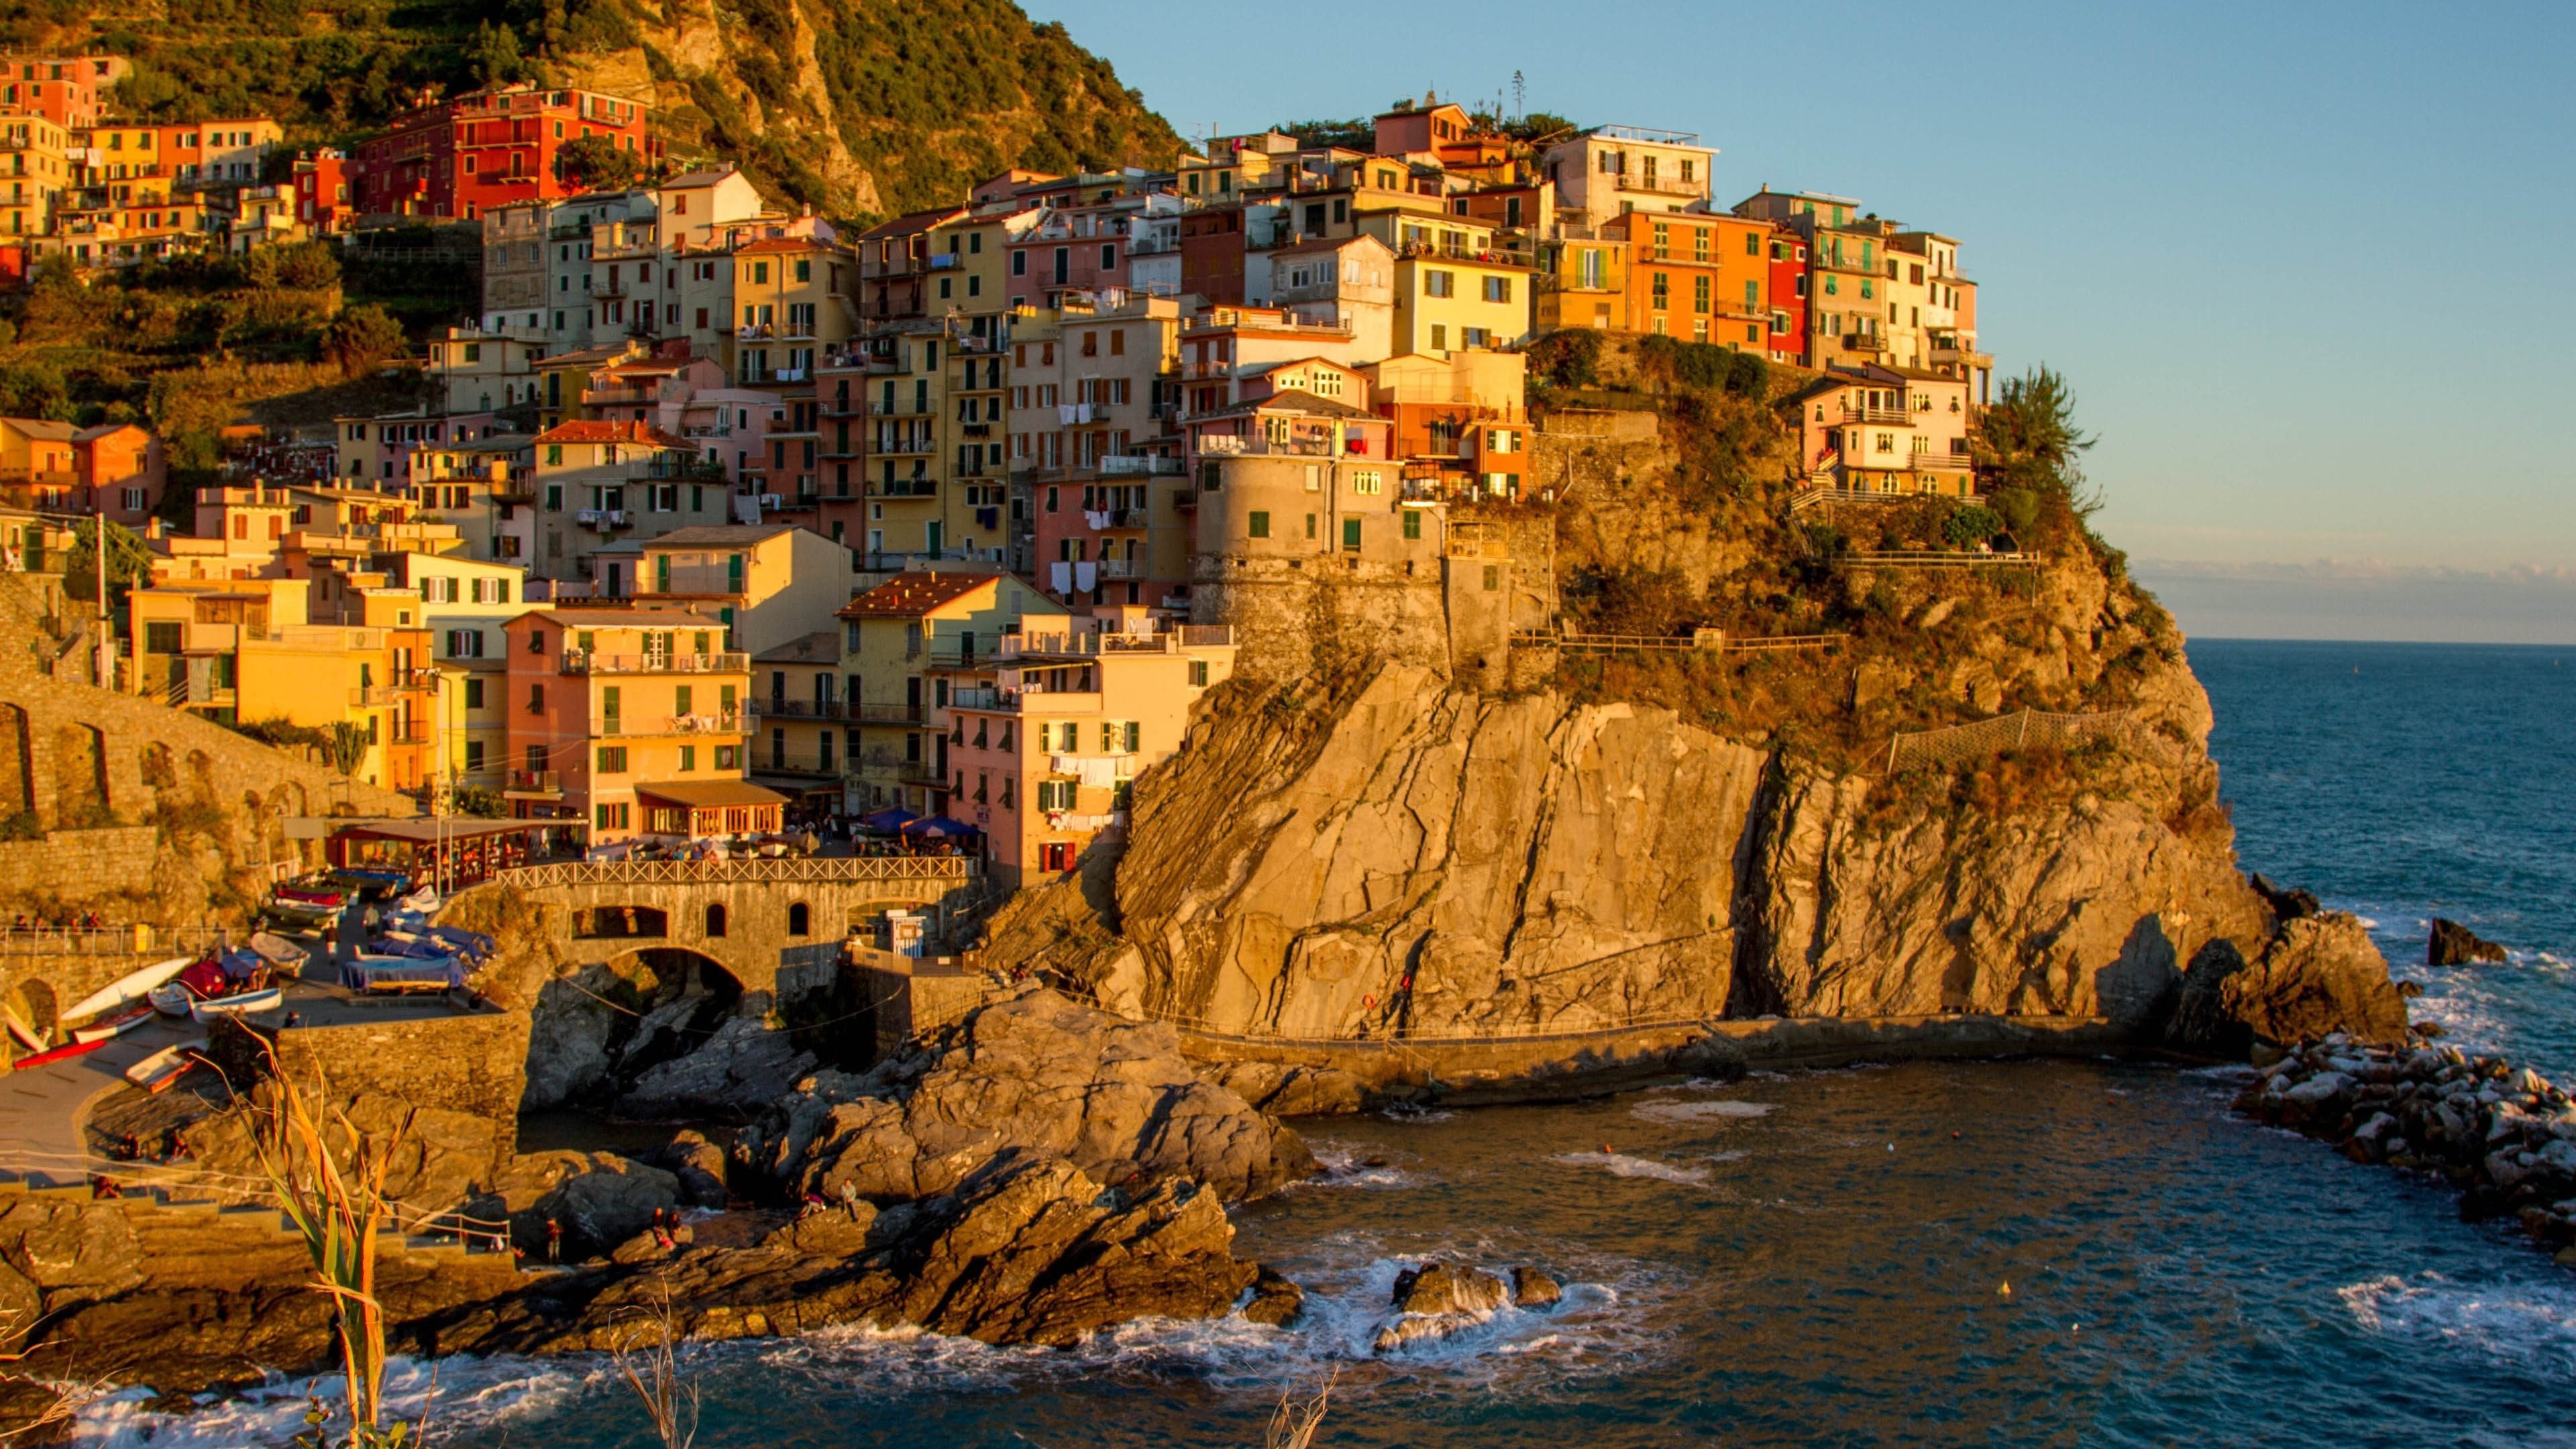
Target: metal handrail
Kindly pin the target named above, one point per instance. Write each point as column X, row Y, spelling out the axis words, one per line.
column 791, row 869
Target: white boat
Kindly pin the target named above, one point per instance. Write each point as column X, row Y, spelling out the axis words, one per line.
column 247, row 1003
column 117, row 1025
column 127, row 990
column 172, row 1000
column 17, row 1028
column 276, row 950
column 157, row 1072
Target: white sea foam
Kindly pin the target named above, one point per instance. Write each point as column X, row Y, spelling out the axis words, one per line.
column 1673, row 1112
column 1736, row 1156
column 2529, row 1322
column 1407, row 1112
column 451, row 1394
column 1621, row 1165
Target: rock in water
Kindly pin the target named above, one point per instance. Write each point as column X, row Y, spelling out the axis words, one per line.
column 1275, row 1300
column 1438, row 1287
column 1532, row 1288
column 2456, row 945
column 1116, row 1099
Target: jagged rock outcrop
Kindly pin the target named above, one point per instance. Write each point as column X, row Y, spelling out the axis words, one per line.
column 2452, row 944
column 744, row 1065
column 1028, row 1250
column 2316, row 975
column 1035, row 1073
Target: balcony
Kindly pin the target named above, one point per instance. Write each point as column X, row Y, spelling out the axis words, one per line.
column 887, row 714
column 1233, row 445
column 1882, row 417
column 801, row 708
column 1661, row 185
column 1121, row 568
column 592, row 397
column 774, row 761
column 584, row 661
column 903, row 488
column 534, row 783
column 376, row 696
column 1146, row 463
column 1027, row 700
column 1092, row 643
column 1864, row 342
column 712, row 722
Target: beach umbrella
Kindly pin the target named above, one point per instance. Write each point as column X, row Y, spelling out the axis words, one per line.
column 939, row 825
column 889, row 820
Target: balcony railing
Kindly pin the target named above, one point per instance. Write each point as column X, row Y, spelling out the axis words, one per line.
column 1091, row 643
column 1124, row 463
column 801, row 708
column 903, row 488
column 584, row 661
column 1236, row 445
column 772, row 761
column 895, row 714
column 713, row 722
column 375, row 695
column 1884, row 417
column 1661, row 185
column 1864, row 342
column 536, row 782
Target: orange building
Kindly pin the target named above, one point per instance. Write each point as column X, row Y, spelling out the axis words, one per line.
column 64, row 90
column 631, row 722
column 1698, row 276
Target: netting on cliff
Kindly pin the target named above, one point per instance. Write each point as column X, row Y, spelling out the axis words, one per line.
column 1986, row 738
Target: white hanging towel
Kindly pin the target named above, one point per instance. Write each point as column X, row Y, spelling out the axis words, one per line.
column 1060, row 576
column 1085, row 574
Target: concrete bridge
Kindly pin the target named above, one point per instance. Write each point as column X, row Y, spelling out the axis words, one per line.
column 776, row 926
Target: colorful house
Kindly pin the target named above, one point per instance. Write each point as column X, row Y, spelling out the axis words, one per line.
column 630, row 721
column 902, row 641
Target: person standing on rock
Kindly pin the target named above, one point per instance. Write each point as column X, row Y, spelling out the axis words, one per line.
column 554, row 1241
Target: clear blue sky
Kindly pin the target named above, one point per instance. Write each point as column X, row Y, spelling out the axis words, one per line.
column 2301, row 260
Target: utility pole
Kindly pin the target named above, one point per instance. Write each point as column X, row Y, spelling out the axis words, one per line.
column 98, row 566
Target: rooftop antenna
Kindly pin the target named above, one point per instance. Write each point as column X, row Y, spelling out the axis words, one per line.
column 1520, row 97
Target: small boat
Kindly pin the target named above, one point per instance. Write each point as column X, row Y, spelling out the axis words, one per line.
column 309, row 897
column 126, row 990
column 276, row 949
column 26, row 1038
column 172, row 1000
column 59, row 1054
column 247, row 1003
column 114, row 1026
column 160, row 1071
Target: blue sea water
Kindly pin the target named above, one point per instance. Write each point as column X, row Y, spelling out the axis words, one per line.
column 2037, row 1253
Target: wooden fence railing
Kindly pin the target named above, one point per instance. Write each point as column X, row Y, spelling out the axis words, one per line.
column 1984, row 738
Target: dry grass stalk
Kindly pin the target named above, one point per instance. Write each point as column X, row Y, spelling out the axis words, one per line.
column 653, row 1372
column 1294, row 1424
column 339, row 1212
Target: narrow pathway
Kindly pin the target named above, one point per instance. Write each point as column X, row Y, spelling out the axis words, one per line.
column 44, row 1111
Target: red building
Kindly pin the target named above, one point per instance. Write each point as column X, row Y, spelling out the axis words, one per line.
column 1788, row 296
column 1212, row 254
column 325, row 191
column 459, row 157
column 64, row 90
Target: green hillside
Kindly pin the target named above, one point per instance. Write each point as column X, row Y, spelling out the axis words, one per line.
column 862, row 108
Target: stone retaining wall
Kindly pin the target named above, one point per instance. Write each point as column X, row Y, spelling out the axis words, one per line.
column 476, row 1064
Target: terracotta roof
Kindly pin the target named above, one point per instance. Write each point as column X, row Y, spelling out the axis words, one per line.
column 91, row 435
column 588, row 430
column 769, row 245
column 911, row 595
column 50, row 431
column 1332, row 244
column 708, row 794
column 1268, row 368
column 610, row 352
column 911, row 222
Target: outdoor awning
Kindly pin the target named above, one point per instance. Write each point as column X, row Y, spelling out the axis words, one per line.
column 711, row 794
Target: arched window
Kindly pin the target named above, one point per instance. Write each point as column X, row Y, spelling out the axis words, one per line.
column 798, row 919
column 716, row 919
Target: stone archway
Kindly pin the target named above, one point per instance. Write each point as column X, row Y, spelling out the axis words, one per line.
column 690, row 994
column 17, row 764
column 80, row 777
column 33, row 1003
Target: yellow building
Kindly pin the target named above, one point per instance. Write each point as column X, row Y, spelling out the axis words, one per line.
column 936, row 479
column 1454, row 286
column 802, row 735
column 789, row 308
column 597, row 481
column 771, row 583
column 970, row 264
column 35, row 169
column 895, row 639
column 183, row 636
column 367, row 683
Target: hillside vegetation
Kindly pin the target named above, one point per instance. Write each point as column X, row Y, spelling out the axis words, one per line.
column 861, row 108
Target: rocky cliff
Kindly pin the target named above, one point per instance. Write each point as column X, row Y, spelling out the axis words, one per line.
column 1651, row 836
